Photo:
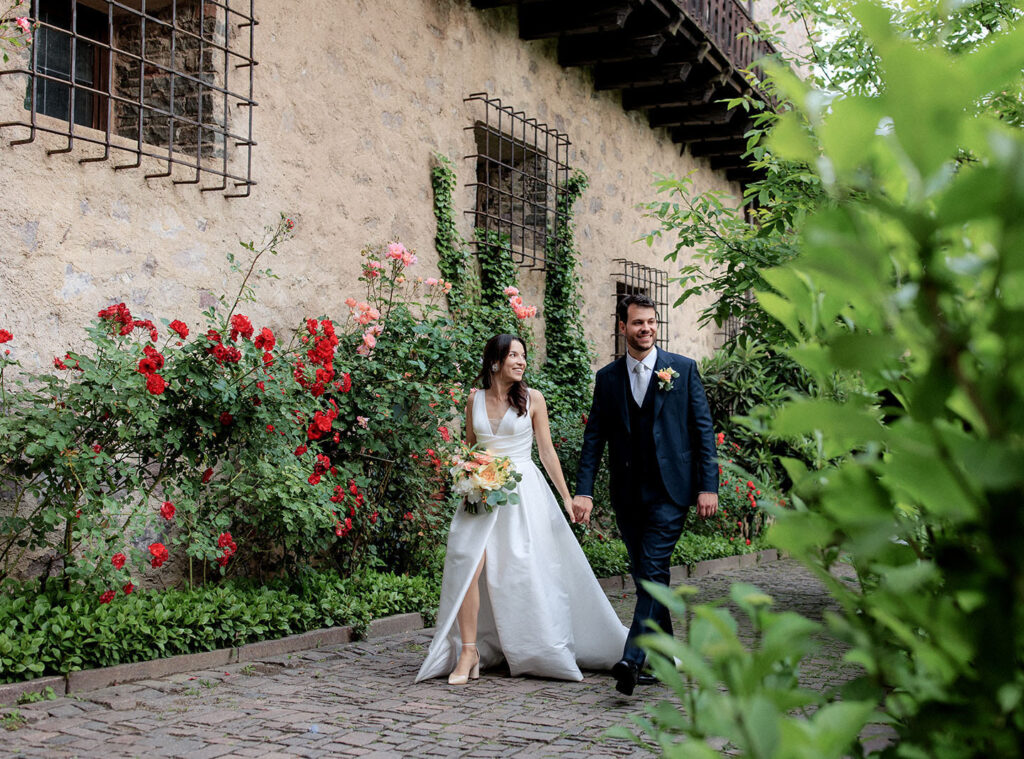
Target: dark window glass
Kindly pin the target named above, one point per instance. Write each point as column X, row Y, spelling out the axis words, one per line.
column 53, row 48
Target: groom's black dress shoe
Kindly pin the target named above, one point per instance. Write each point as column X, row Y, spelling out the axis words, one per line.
column 626, row 674
column 645, row 678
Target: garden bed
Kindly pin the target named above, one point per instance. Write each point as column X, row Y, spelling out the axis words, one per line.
column 90, row 679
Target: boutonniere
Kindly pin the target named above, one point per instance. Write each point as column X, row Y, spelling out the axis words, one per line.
column 665, row 377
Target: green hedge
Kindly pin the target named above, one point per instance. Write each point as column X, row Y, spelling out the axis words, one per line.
column 59, row 632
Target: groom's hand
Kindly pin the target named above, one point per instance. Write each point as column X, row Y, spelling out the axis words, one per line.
column 581, row 507
column 707, row 504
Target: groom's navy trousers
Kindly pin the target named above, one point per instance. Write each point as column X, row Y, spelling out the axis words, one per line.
column 661, row 455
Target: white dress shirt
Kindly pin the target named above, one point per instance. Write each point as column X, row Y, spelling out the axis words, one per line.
column 640, row 378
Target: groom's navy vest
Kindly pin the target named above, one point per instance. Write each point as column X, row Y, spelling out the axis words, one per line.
column 643, row 460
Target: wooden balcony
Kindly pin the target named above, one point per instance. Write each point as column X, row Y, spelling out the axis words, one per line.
column 675, row 60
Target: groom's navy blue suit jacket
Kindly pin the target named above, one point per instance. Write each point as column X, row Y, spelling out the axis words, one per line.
column 684, row 436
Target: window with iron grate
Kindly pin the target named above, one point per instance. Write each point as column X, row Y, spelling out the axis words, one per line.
column 637, row 279
column 521, row 171
column 166, row 79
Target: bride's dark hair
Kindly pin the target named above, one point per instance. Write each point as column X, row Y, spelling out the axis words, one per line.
column 495, row 352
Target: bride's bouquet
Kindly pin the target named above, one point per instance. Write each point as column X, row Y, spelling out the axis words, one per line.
column 482, row 478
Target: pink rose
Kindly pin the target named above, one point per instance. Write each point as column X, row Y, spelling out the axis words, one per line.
column 362, row 421
column 431, row 281
column 369, row 340
column 510, row 291
column 350, row 302
column 24, row 24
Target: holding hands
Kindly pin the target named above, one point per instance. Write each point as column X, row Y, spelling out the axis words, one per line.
column 581, row 507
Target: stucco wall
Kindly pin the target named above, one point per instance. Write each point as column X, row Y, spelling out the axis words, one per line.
column 354, row 97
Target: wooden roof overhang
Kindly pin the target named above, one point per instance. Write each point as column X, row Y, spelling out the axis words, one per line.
column 672, row 59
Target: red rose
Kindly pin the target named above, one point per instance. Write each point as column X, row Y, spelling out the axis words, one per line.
column 147, row 366
column 167, row 511
column 154, row 355
column 373, row 517
column 720, row 438
column 5, row 336
column 155, row 384
column 224, row 540
column 160, row 554
column 346, row 382
column 268, row 359
column 213, row 335
column 750, row 484
column 128, row 588
column 180, row 327
column 240, row 325
column 300, row 450
column 311, row 326
column 265, row 340
column 107, row 596
column 226, row 419
column 207, row 475
column 118, row 560
column 408, row 516
column 97, row 447
column 58, row 363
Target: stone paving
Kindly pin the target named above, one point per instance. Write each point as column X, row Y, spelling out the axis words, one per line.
column 359, row 699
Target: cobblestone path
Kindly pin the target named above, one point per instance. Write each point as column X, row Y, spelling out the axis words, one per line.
column 359, row 699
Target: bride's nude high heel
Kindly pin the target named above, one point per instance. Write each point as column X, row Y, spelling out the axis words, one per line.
column 474, row 672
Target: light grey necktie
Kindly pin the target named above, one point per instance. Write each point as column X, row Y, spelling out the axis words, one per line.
column 639, row 386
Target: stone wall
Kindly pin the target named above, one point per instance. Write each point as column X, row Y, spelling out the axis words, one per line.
column 354, row 98
column 159, row 84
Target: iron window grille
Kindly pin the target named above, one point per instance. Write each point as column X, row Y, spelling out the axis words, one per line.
column 157, row 78
column 522, row 167
column 637, row 279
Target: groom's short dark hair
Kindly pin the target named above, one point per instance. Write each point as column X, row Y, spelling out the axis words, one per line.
column 634, row 300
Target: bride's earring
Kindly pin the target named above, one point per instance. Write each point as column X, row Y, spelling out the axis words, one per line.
column 494, row 368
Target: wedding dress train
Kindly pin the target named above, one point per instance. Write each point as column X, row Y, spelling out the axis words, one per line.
column 541, row 608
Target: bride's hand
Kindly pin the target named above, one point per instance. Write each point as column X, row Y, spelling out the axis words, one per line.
column 567, row 505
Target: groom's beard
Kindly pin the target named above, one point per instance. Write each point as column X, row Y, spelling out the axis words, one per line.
column 638, row 346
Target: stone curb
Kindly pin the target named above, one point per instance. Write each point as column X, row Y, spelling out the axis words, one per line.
column 92, row 679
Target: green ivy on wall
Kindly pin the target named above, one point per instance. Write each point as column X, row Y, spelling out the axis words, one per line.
column 568, row 354
column 478, row 294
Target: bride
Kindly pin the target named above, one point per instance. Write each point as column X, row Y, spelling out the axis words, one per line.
column 516, row 584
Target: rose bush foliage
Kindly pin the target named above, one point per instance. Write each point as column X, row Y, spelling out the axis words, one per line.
column 204, row 447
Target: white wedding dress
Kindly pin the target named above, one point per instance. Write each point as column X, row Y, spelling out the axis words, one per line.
column 541, row 608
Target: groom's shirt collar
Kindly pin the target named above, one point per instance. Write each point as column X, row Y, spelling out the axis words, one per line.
column 649, row 360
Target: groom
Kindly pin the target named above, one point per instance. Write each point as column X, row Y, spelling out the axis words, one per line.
column 650, row 408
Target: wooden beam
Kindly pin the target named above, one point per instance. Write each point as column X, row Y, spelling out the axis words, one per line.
column 586, row 50
column 538, row 21
column 711, row 113
column 718, row 147
column 667, row 95
column 743, row 176
column 695, row 132
column 616, row 76
column 728, row 162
